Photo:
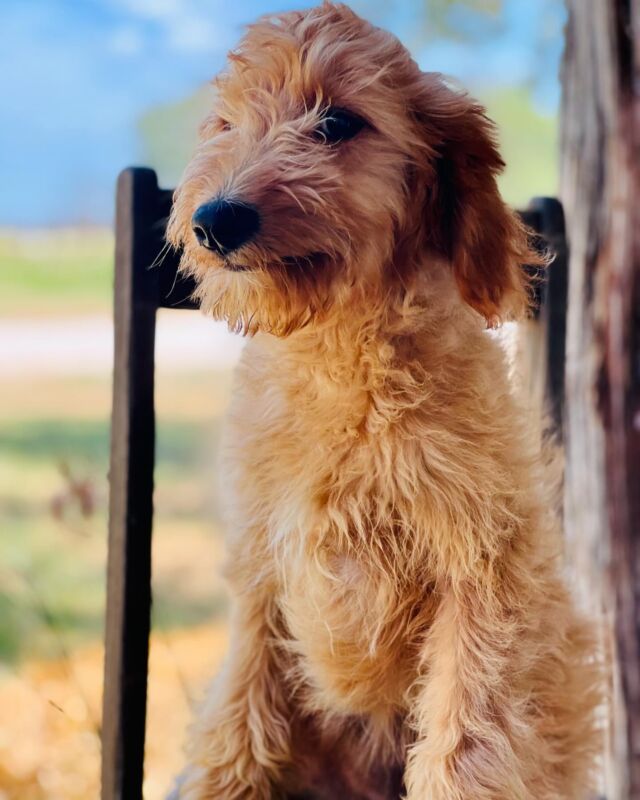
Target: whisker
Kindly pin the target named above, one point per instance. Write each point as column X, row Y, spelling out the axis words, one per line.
column 162, row 254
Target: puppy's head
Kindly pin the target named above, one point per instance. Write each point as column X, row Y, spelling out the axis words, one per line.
column 331, row 170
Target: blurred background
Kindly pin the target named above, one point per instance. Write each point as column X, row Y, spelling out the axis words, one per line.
column 88, row 88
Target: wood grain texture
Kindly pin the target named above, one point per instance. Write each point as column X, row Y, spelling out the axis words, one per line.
column 600, row 185
column 131, row 491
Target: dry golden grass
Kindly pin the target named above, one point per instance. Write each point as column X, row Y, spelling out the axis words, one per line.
column 50, row 750
column 51, row 679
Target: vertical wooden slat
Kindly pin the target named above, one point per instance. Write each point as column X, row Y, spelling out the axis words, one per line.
column 131, row 489
column 542, row 338
column 553, row 310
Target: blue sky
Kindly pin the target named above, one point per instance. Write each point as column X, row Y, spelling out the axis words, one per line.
column 76, row 75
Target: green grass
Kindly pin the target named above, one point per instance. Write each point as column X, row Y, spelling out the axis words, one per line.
column 55, row 272
column 87, row 441
column 52, row 564
column 529, row 146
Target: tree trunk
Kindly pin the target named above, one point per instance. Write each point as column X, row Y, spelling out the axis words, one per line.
column 601, row 194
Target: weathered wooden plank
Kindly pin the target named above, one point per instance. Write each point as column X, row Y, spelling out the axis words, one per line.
column 176, row 289
column 541, row 340
column 600, row 187
column 553, row 302
column 131, row 489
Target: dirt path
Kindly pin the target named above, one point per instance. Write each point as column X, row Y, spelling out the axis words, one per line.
column 185, row 342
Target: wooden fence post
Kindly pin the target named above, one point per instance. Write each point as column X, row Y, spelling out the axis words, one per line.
column 131, row 489
column 600, row 190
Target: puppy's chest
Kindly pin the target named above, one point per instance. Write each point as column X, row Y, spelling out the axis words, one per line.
column 349, row 640
column 285, row 446
column 335, row 608
column 300, row 474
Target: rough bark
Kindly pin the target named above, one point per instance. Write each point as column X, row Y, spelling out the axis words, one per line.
column 600, row 188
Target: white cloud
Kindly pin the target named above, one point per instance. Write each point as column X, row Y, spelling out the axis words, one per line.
column 125, row 42
column 188, row 34
column 185, row 25
column 153, row 9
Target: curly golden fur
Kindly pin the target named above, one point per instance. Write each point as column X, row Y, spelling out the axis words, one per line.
column 400, row 626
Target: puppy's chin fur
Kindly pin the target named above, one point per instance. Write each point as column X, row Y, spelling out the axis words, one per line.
column 280, row 299
column 252, row 301
column 272, row 298
column 283, row 295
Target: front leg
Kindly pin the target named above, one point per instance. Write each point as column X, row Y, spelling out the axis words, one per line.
column 470, row 719
column 240, row 743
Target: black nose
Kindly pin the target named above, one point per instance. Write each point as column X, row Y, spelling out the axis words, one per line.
column 224, row 226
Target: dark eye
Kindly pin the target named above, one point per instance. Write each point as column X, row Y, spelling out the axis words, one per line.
column 225, row 125
column 338, row 125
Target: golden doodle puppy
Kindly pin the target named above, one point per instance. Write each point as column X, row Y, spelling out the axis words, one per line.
column 400, row 627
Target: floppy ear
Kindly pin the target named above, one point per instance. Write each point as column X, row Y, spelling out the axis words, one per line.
column 466, row 218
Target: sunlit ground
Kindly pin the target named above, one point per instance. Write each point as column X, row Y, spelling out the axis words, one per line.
column 54, row 440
